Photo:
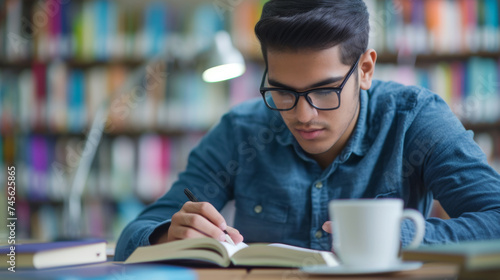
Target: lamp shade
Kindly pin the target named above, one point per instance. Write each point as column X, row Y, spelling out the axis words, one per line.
column 225, row 61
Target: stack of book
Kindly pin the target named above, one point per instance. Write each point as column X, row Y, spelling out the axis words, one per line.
column 477, row 259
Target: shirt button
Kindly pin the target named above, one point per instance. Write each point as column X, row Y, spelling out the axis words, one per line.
column 319, row 185
column 318, row 234
column 257, row 209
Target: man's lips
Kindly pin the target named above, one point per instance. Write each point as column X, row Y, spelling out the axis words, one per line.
column 309, row 134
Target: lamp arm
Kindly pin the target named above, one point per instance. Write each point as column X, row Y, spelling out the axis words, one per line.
column 73, row 203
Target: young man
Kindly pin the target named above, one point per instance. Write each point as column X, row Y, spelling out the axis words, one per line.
column 325, row 130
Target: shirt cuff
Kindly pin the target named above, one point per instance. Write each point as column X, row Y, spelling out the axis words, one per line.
column 150, row 237
column 407, row 232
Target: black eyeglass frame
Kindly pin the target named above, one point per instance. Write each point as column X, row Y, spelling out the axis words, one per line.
column 297, row 94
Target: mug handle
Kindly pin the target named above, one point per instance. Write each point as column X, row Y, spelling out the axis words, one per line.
column 419, row 222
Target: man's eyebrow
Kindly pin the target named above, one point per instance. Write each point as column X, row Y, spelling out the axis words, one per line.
column 315, row 85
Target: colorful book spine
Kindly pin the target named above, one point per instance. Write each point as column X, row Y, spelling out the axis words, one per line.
column 14, row 44
column 463, row 26
column 122, row 167
column 491, row 34
column 56, row 97
column 39, row 116
column 150, row 184
column 125, row 168
column 38, row 187
column 471, row 88
column 53, row 9
column 76, row 102
column 101, row 12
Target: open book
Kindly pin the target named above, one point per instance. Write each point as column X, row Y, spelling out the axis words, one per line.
column 210, row 251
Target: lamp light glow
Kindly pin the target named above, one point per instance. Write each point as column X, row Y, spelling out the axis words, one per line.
column 223, row 72
column 225, row 61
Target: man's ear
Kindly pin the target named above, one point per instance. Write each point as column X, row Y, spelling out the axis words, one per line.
column 367, row 68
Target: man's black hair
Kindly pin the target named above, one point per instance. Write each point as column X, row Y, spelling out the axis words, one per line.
column 293, row 25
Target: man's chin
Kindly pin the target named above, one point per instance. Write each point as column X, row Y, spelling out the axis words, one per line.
column 315, row 150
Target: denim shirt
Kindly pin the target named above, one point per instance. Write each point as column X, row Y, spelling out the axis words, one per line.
column 406, row 144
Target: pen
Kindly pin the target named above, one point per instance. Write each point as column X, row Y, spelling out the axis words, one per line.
column 193, row 198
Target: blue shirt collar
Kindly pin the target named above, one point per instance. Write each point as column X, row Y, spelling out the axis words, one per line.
column 357, row 143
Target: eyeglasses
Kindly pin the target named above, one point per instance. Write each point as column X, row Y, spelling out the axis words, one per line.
column 280, row 99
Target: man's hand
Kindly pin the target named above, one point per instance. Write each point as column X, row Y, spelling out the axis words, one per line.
column 327, row 226
column 199, row 219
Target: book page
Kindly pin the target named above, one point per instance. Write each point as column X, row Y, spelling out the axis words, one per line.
column 281, row 255
column 231, row 249
column 281, row 245
column 329, row 257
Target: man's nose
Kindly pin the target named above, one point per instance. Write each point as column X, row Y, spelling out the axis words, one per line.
column 304, row 111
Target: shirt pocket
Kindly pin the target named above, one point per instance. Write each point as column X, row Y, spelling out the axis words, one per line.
column 266, row 210
column 260, row 220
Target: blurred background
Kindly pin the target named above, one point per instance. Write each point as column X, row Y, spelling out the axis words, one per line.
column 62, row 60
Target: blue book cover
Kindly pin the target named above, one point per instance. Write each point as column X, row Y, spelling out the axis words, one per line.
column 105, row 271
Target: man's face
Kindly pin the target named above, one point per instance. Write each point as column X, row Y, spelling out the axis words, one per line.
column 318, row 132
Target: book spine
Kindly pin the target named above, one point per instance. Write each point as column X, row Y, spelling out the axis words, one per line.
column 39, row 116
column 491, row 35
column 38, row 180
column 471, row 88
column 14, row 44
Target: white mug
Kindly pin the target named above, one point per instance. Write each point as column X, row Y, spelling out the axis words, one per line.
column 366, row 232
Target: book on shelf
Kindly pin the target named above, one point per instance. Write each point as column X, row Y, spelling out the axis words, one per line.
column 208, row 251
column 469, row 87
column 421, row 27
column 98, row 30
column 470, row 255
column 53, row 254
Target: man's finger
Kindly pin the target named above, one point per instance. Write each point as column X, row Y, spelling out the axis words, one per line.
column 202, row 225
column 235, row 235
column 208, row 211
column 180, row 232
column 327, row 226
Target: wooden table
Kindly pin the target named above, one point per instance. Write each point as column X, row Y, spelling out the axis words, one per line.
column 427, row 271
column 222, row 273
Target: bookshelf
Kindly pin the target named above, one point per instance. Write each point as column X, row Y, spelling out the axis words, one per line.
column 44, row 118
column 58, row 61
